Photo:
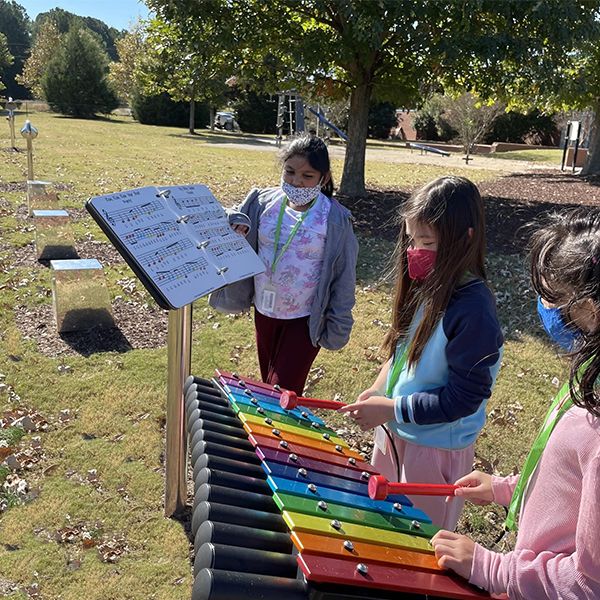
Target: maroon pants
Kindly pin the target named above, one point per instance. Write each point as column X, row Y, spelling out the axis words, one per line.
column 285, row 352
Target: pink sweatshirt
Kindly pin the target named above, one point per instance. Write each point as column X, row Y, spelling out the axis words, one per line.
column 557, row 554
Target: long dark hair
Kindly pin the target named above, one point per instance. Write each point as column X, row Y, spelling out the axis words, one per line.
column 565, row 262
column 452, row 206
column 314, row 150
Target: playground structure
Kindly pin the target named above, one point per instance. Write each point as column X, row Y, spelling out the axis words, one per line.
column 425, row 149
column 291, row 120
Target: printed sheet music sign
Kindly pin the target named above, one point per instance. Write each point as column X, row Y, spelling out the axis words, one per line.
column 177, row 240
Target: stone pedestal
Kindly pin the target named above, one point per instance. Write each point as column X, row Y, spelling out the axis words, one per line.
column 79, row 295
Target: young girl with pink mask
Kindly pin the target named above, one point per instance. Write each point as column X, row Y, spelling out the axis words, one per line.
column 444, row 346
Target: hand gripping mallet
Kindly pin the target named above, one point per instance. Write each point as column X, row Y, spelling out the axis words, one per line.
column 289, row 400
column 380, row 488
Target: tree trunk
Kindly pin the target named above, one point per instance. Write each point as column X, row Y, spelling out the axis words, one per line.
column 592, row 164
column 353, row 177
column 192, row 126
column 212, row 118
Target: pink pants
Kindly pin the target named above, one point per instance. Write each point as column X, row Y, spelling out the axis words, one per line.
column 421, row 464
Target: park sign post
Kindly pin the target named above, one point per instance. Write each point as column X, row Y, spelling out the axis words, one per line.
column 178, row 241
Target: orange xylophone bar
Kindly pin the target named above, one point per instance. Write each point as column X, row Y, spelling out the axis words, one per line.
column 289, row 400
column 380, row 488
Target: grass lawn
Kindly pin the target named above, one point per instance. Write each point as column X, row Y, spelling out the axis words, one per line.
column 92, row 523
column 547, row 157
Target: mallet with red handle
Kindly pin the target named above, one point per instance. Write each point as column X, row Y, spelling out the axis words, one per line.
column 380, row 488
column 289, row 400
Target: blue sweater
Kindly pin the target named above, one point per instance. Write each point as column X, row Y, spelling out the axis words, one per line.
column 440, row 402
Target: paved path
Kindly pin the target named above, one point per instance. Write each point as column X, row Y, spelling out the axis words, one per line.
column 394, row 155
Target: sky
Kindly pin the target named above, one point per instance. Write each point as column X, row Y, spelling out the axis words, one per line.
column 115, row 13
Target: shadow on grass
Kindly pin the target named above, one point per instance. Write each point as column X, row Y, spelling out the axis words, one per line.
column 217, row 137
column 101, row 118
column 509, row 224
column 509, row 221
column 97, row 339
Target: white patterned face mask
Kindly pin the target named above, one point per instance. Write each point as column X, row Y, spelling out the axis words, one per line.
column 300, row 196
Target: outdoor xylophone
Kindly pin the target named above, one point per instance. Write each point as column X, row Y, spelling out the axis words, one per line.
column 282, row 508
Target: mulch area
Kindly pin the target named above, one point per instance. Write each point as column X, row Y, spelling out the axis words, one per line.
column 511, row 202
column 138, row 325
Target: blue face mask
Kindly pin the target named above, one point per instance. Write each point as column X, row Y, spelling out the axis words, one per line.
column 555, row 326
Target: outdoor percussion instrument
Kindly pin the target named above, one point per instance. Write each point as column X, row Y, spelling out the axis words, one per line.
column 282, row 508
column 380, row 488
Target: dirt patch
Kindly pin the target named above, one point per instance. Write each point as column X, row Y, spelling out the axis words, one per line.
column 105, row 253
column 137, row 326
column 511, row 203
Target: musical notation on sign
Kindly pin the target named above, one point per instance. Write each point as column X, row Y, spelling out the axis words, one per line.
column 176, row 239
column 165, row 255
column 134, row 214
column 149, row 235
column 183, row 272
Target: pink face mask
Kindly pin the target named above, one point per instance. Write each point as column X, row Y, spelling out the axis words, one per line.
column 421, row 262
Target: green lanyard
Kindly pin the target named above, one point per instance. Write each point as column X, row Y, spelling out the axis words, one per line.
column 561, row 404
column 277, row 258
column 397, row 367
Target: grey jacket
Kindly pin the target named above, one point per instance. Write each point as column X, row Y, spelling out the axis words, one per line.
column 330, row 320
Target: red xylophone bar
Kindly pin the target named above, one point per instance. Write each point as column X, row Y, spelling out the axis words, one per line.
column 380, row 488
column 289, row 400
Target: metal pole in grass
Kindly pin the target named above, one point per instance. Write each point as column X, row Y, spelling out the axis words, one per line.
column 29, row 132
column 179, row 350
column 10, row 108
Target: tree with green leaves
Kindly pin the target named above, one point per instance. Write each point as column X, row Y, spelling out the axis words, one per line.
column 392, row 50
column 6, row 58
column 471, row 118
column 184, row 60
column 47, row 40
column 65, row 20
column 125, row 72
column 15, row 26
column 75, row 82
column 536, row 55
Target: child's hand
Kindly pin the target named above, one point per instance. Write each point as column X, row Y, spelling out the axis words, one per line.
column 370, row 412
column 454, row 551
column 475, row 487
column 367, row 394
column 241, row 229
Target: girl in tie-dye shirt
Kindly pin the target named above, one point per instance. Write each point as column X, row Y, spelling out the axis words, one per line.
column 303, row 301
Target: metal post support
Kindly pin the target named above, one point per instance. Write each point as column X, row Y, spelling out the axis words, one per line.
column 11, row 125
column 29, row 132
column 280, row 118
column 179, row 349
column 565, row 146
column 29, row 159
column 299, row 115
column 576, row 149
column 291, row 113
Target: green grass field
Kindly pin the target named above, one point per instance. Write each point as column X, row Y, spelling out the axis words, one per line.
column 547, row 156
column 93, row 526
